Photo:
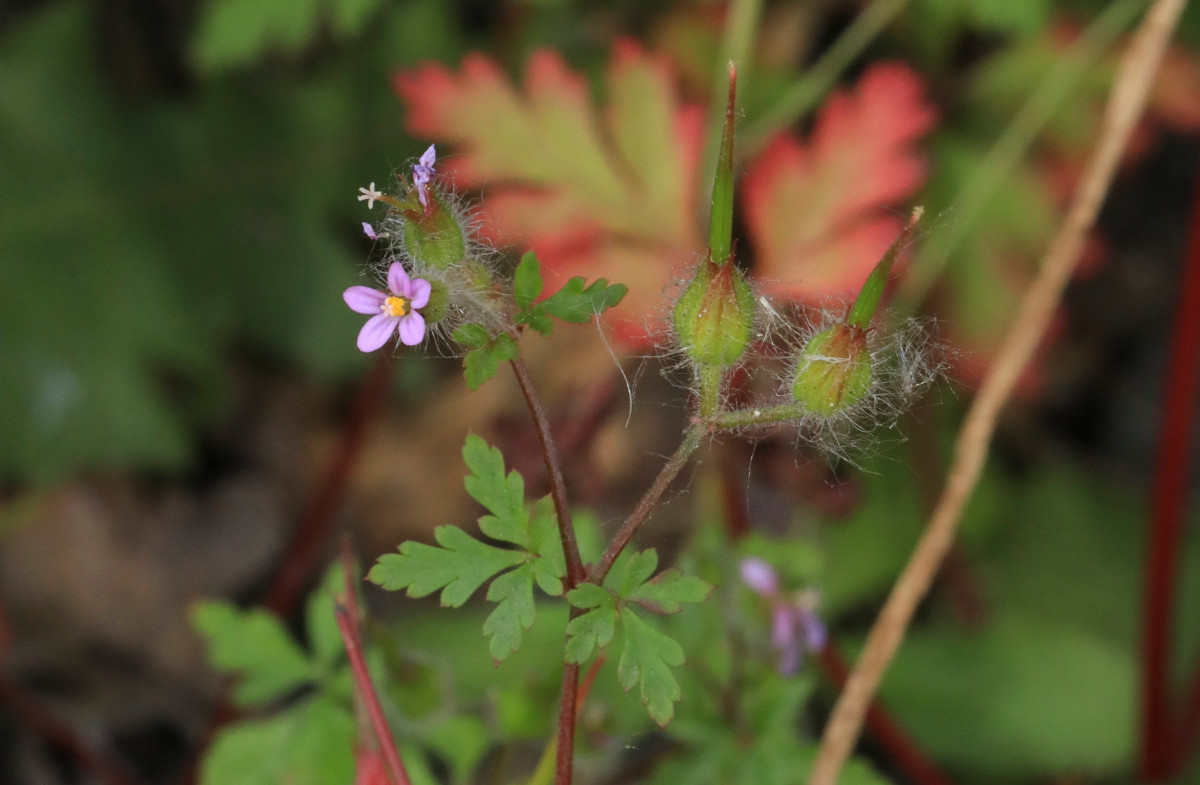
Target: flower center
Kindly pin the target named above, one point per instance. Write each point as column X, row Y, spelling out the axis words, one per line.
column 395, row 305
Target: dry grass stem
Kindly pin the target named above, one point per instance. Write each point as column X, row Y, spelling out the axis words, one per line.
column 1125, row 106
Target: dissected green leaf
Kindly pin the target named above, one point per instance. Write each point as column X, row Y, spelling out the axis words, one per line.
column 631, row 570
column 514, row 592
column 311, row 743
column 321, row 627
column 576, row 304
column 482, row 363
column 594, row 629
column 572, row 303
column 459, row 567
column 256, row 646
column 544, row 541
column 473, row 335
column 527, row 281
column 503, row 495
column 665, row 592
column 646, row 661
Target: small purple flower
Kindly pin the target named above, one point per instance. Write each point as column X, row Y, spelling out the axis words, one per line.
column 369, row 231
column 423, row 172
column 390, row 313
column 795, row 626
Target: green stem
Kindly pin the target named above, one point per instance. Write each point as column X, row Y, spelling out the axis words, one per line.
column 709, row 377
column 1007, row 151
column 768, row 415
column 740, row 25
column 814, row 83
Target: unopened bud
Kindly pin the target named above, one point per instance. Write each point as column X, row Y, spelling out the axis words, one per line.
column 834, row 370
column 434, row 237
column 715, row 315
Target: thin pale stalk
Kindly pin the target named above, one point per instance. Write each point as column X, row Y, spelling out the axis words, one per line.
column 1126, row 103
column 558, row 486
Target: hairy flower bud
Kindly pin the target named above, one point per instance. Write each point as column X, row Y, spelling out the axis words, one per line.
column 715, row 315
column 834, row 370
column 435, row 238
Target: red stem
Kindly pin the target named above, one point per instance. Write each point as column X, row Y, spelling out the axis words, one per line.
column 558, row 486
column 1164, row 747
column 567, row 712
column 900, row 748
column 347, row 614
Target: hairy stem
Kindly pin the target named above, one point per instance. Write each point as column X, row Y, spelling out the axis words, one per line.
column 1037, row 307
column 767, row 415
column 558, row 486
column 670, row 469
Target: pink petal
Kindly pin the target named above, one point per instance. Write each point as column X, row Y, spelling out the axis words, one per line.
column 398, row 280
column 759, row 576
column 429, row 156
column 376, row 331
column 412, row 329
column 420, row 292
column 364, row 299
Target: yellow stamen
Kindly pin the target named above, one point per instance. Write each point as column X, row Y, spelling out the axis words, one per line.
column 395, row 306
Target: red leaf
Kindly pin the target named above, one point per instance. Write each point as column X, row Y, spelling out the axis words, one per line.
column 595, row 193
column 818, row 213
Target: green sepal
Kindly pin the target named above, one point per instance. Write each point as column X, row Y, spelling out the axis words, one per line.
column 872, row 289
column 434, row 238
column 833, row 371
column 720, row 230
column 715, row 316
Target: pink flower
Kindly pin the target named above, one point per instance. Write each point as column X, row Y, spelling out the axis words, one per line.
column 390, row 312
column 423, row 172
column 796, row 628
